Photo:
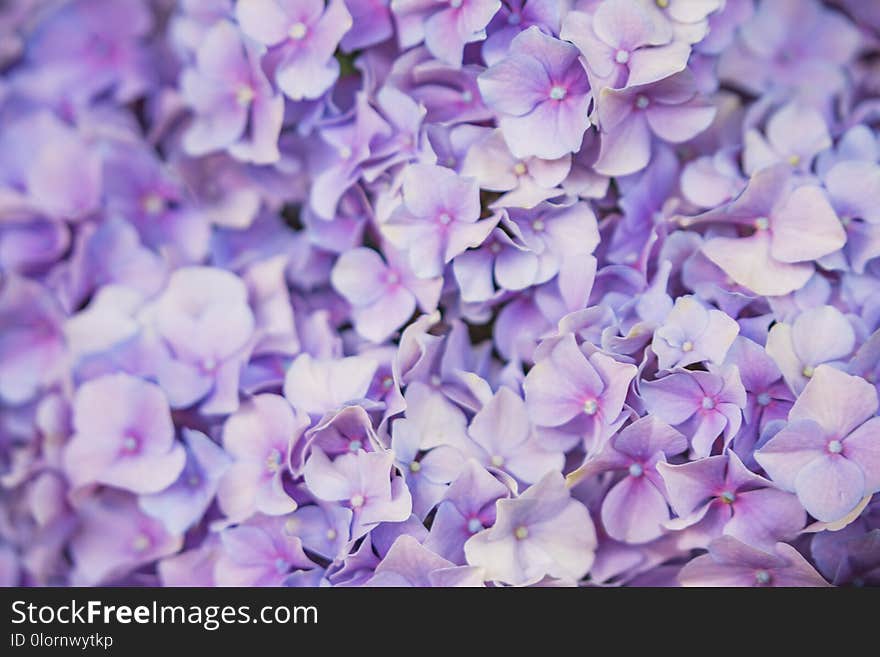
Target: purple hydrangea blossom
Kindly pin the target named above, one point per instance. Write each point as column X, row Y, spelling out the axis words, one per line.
column 541, row 92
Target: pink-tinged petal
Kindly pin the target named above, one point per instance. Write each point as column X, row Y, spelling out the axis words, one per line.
column 647, row 436
column 145, row 473
column 622, row 24
column 360, row 276
column 463, row 235
column 577, row 27
column 633, row 511
column 502, row 424
column 673, row 399
column 709, row 427
column 316, row 386
column 380, row 319
column 854, row 187
column 444, row 38
column 764, row 516
column 678, row 123
column 551, row 130
column 805, row 227
column 837, row 401
column 649, row 65
column 515, row 85
column 862, row 446
column 790, row 450
column 556, row 387
column 747, row 260
column 798, row 131
column 830, row 486
column 306, row 80
column 221, row 54
column 691, row 485
column 616, row 377
column 625, row 148
column 822, row 334
column 263, row 21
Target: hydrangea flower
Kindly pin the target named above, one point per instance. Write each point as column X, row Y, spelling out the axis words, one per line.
column 437, row 220
column 542, row 533
column 827, row 454
column 124, row 436
column 303, row 35
column 541, row 92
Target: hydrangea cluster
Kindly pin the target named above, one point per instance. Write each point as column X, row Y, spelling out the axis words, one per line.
column 439, row 292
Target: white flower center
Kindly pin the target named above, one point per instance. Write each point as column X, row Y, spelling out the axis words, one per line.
column 153, row 204
column 298, row 31
column 354, row 445
column 538, row 225
column 642, row 102
column 444, row 219
column 141, row 542
column 591, row 406
column 835, row 447
column 130, row 443
column 762, row 577
column 497, row 460
column 621, row 56
column 762, row 223
column 520, row 168
column 728, row 497
column 244, row 95
column 557, row 92
column 687, row 346
column 474, row 525
column 636, row 470
column 357, row 501
column 708, row 403
column 764, row 399
column 331, row 534
column 273, row 461
column 415, row 466
column 808, row 371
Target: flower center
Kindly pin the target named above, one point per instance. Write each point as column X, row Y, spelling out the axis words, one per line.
column 764, row 399
column 835, row 447
column 521, row 533
column 209, row 364
column 538, row 225
column 497, row 460
column 687, row 346
column 298, row 31
column 130, row 444
column 415, row 466
column 194, row 480
column 591, row 406
column 273, row 461
column 621, row 56
column 663, row 4
column 514, row 19
column 467, row 97
column 387, row 382
column 141, row 542
column 557, row 92
column 392, row 278
column 455, row 4
column 762, row 223
column 357, row 501
column 331, row 534
column 519, row 168
column 762, row 577
column 444, row 219
column 642, row 102
column 636, row 470
column 345, row 152
column 153, row 203
column 728, row 497
column 495, row 247
column 281, row 565
column 290, row 526
column 244, row 95
column 808, row 371
column 794, row 160
column 708, row 403
column 354, row 445
column 474, row 525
